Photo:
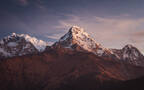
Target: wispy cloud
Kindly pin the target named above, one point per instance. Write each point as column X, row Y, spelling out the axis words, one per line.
column 54, row 36
column 50, row 43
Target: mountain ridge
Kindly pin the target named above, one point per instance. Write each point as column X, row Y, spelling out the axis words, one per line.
column 75, row 39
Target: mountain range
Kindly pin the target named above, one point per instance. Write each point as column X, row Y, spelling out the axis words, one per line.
column 76, row 39
column 76, row 61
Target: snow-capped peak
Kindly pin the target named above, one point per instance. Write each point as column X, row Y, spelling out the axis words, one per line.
column 39, row 44
column 13, row 34
column 76, row 32
column 132, row 54
column 77, row 38
column 77, row 35
column 130, row 50
column 20, row 44
column 128, row 46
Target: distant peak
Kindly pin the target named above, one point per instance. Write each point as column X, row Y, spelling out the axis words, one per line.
column 76, row 28
column 76, row 33
column 39, row 44
column 13, row 34
column 128, row 46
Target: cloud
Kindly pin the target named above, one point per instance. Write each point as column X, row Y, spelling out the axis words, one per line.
column 70, row 21
column 119, row 24
column 54, row 36
column 50, row 43
column 139, row 34
column 112, row 32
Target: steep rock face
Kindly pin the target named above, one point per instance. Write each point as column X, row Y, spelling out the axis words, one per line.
column 130, row 54
column 78, row 39
column 18, row 45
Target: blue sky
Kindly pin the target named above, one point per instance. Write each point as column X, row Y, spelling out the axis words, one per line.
column 113, row 23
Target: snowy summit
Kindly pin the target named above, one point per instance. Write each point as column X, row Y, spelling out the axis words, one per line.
column 39, row 44
column 132, row 55
column 20, row 44
column 77, row 38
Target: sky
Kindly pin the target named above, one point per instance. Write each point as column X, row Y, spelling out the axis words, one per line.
column 113, row 23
